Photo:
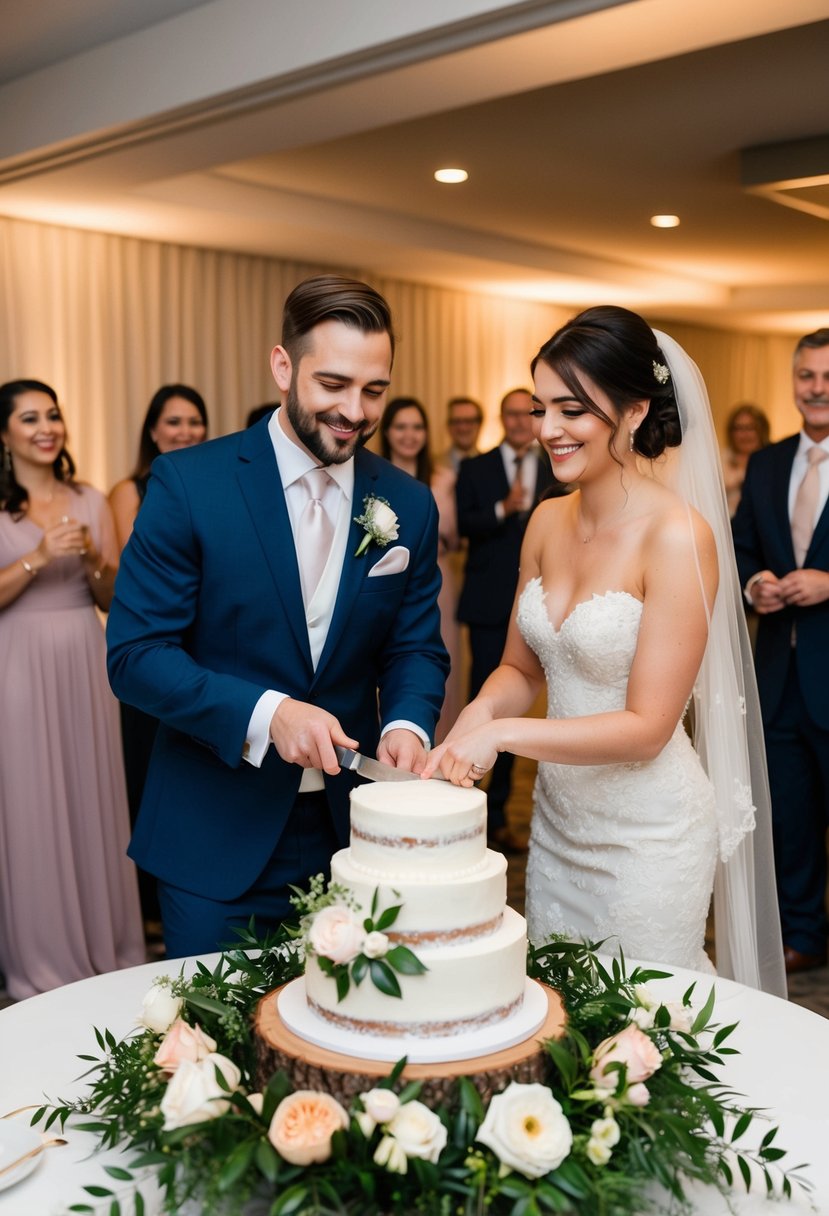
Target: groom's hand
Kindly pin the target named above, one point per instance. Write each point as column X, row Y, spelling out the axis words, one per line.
column 402, row 748
column 305, row 734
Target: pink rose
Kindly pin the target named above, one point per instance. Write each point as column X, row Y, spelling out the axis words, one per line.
column 303, row 1124
column 336, row 933
column 629, row 1047
column 183, row 1042
column 638, row 1094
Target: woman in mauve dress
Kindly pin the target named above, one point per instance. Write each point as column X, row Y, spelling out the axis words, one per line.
column 68, row 894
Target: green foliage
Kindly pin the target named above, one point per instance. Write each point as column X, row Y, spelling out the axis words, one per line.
column 692, row 1127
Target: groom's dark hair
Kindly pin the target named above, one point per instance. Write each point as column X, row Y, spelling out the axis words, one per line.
column 328, row 297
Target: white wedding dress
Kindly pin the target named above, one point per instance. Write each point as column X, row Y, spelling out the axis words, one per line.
column 624, row 852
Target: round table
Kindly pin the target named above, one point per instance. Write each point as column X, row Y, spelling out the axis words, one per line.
column 783, row 1066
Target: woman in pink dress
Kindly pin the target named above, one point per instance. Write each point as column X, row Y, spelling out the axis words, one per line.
column 404, row 438
column 68, row 895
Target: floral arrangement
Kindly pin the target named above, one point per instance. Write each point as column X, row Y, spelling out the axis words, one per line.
column 630, row 1111
column 379, row 521
column 347, row 945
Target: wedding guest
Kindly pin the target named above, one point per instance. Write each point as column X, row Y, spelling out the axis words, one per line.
column 404, row 440
column 246, row 620
column 68, row 895
column 629, row 606
column 495, row 494
column 747, row 430
column 176, row 418
column 781, row 535
column 464, row 418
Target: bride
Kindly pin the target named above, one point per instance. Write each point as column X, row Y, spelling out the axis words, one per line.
column 628, row 607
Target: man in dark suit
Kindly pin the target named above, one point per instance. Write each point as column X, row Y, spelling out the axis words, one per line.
column 252, row 621
column 496, row 493
column 781, row 537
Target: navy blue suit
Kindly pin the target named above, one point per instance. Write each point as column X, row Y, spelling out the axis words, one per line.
column 793, row 682
column 208, row 614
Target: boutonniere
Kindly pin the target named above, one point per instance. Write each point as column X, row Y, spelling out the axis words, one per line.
column 379, row 521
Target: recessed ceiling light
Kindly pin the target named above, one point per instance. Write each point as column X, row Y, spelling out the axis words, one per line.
column 451, row 176
column 665, row 221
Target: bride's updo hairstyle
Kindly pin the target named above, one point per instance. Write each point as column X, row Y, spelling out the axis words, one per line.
column 618, row 351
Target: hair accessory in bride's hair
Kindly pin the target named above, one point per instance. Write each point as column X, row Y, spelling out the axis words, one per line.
column 661, row 372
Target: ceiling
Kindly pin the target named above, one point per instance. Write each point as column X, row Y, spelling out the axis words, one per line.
column 573, row 132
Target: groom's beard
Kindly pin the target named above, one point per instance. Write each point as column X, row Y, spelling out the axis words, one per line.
column 321, row 444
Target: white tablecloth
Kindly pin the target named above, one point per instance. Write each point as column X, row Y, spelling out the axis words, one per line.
column 783, row 1066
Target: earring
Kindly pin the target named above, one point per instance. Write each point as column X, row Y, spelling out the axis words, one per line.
column 7, row 460
column 631, row 437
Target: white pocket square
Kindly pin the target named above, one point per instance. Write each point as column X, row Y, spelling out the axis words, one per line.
column 393, row 562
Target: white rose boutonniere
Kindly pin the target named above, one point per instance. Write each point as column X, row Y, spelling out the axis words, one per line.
column 379, row 521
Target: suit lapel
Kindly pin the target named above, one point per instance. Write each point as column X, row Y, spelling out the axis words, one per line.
column 262, row 490
column 779, row 494
column 354, row 568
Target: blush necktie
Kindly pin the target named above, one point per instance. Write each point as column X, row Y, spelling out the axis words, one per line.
column 804, row 514
column 315, row 532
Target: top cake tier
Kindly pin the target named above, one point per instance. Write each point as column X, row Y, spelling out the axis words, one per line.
column 403, row 829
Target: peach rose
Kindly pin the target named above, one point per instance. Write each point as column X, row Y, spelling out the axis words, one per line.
column 629, row 1047
column 303, row 1124
column 183, row 1042
column 336, row 933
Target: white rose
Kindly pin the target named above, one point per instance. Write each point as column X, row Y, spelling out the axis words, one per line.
column 390, row 1154
column 681, row 1016
column 376, row 945
column 643, row 1018
column 526, row 1129
column 160, row 1008
column 336, row 933
column 384, row 521
column 598, row 1152
column 381, row 1104
column 644, row 996
column 418, row 1131
column 194, row 1095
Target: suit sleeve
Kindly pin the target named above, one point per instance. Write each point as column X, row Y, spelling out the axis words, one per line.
column 749, row 548
column 153, row 614
column 476, row 498
column 414, row 663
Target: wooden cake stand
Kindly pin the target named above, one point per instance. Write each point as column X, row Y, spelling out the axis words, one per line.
column 312, row 1067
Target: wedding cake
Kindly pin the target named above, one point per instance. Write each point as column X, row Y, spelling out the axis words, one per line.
column 422, row 845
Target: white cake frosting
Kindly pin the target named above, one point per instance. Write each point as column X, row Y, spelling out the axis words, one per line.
column 423, row 845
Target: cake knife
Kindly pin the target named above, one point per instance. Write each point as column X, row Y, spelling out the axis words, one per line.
column 375, row 770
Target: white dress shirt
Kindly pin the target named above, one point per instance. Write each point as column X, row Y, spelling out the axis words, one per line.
column 799, row 467
column 293, row 463
column 529, row 474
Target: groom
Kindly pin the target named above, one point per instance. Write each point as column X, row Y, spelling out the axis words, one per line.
column 245, row 621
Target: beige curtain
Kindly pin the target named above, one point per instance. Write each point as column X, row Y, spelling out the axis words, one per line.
column 107, row 319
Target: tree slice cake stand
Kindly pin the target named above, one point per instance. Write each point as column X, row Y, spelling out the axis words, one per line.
column 314, row 1059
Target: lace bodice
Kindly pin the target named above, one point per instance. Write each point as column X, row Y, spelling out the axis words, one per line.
column 617, row 850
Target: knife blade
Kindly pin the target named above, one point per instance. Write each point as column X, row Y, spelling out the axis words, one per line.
column 374, row 770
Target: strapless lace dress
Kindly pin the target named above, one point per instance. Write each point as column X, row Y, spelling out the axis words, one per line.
column 619, row 851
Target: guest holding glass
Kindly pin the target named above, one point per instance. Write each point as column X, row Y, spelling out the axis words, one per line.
column 176, row 418
column 747, row 430
column 404, row 441
column 68, row 897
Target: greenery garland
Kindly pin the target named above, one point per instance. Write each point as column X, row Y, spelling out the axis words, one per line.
column 612, row 1133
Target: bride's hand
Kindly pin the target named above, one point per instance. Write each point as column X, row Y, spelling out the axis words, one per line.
column 466, row 758
column 474, row 715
